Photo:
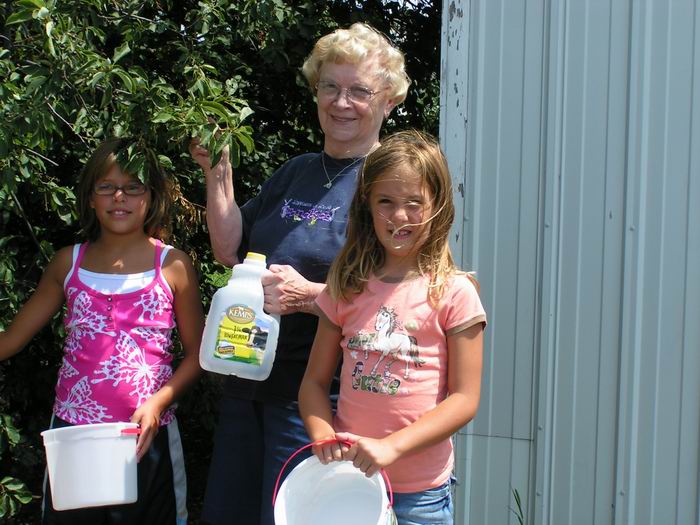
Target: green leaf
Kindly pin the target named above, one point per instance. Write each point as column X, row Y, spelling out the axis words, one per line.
column 40, row 14
column 245, row 140
column 32, row 3
column 121, row 51
column 125, row 78
column 245, row 113
column 162, row 116
column 24, row 498
column 19, row 17
column 217, row 109
column 235, row 154
column 14, row 485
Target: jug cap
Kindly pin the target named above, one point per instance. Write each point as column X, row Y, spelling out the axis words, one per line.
column 255, row 256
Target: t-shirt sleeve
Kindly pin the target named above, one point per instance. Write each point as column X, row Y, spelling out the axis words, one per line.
column 328, row 306
column 463, row 308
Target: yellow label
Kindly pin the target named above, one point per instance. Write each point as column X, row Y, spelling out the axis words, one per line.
column 241, row 336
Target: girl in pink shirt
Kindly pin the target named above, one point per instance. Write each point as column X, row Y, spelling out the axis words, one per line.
column 124, row 291
column 409, row 326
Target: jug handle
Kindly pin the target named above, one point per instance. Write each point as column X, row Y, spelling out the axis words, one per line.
column 323, row 442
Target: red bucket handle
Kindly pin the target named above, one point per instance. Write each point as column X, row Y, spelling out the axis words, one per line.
column 323, row 442
column 134, row 431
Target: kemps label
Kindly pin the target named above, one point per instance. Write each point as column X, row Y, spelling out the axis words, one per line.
column 242, row 336
column 240, row 314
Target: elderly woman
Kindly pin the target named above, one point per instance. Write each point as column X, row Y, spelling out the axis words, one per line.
column 298, row 220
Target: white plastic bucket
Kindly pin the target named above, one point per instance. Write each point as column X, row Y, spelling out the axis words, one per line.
column 92, row 465
column 337, row 493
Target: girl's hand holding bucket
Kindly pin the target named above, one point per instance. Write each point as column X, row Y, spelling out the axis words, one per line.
column 147, row 416
column 370, row 455
column 329, row 449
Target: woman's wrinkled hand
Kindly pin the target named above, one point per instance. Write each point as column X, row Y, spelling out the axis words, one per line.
column 286, row 291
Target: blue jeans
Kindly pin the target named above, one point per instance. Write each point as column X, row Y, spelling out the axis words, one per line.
column 251, row 443
column 429, row 507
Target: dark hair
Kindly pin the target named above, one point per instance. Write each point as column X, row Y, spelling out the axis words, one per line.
column 107, row 155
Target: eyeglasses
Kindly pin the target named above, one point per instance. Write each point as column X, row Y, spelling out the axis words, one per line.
column 331, row 91
column 132, row 188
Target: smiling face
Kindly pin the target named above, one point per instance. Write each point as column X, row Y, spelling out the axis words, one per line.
column 351, row 129
column 401, row 207
column 120, row 213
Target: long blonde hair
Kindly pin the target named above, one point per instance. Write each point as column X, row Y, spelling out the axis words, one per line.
column 362, row 254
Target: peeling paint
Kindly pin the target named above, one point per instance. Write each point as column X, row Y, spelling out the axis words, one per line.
column 460, row 189
column 454, row 10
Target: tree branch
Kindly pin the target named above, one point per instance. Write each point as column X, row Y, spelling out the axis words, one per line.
column 29, row 225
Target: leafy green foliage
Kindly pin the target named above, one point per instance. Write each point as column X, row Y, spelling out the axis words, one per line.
column 76, row 72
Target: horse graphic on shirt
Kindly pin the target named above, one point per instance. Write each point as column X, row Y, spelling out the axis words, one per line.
column 393, row 344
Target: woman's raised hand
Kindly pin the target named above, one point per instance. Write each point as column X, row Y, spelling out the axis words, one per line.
column 201, row 156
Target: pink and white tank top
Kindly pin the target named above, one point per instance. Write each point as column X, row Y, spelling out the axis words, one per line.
column 117, row 349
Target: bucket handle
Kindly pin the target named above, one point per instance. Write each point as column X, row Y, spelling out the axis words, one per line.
column 323, row 442
column 131, row 431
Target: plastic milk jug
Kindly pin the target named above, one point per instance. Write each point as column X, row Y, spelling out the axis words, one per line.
column 239, row 337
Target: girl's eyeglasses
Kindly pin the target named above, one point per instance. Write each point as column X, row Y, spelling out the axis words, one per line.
column 331, row 91
column 133, row 188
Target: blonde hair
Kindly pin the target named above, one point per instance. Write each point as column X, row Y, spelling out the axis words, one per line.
column 362, row 253
column 356, row 44
column 157, row 222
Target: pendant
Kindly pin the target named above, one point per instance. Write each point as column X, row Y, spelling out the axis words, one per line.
column 328, row 185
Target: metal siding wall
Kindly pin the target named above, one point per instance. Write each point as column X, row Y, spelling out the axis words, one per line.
column 659, row 435
column 585, row 206
column 500, row 219
column 573, row 129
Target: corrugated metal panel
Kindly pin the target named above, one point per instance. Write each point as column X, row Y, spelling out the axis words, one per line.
column 572, row 128
column 491, row 138
column 660, row 402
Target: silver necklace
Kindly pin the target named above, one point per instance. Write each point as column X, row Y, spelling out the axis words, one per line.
column 330, row 181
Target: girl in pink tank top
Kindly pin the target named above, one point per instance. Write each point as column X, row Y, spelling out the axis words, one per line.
column 123, row 300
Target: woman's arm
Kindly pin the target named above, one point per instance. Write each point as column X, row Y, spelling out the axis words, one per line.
column 314, row 404
column 40, row 308
column 181, row 277
column 464, row 350
column 223, row 214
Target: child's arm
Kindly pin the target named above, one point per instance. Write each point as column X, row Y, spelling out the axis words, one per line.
column 314, row 404
column 189, row 314
column 40, row 308
column 456, row 410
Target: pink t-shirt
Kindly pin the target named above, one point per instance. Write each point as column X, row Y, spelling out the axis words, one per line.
column 117, row 349
column 395, row 365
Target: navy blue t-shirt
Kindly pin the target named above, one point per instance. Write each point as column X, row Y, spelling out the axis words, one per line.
column 296, row 220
